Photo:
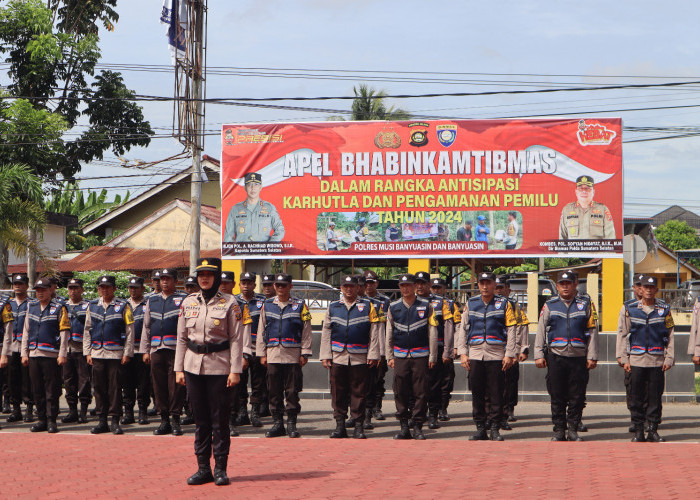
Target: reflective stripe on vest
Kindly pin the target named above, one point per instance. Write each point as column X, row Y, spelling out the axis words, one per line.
column 108, row 328
column 254, row 307
column 350, row 328
column 77, row 314
column 19, row 312
column 44, row 327
column 411, row 333
column 568, row 325
column 487, row 322
column 648, row 332
column 164, row 314
column 138, row 313
column 283, row 326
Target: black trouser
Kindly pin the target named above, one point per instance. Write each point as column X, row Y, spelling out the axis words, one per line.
column 510, row 389
column 486, row 381
column 646, row 390
column 284, row 382
column 76, row 379
column 375, row 385
column 349, row 383
column 46, row 386
column 566, row 384
column 107, row 382
column 436, row 379
column 170, row 397
column 411, row 384
column 137, row 382
column 240, row 394
column 210, row 401
column 448, row 384
column 19, row 381
column 258, row 381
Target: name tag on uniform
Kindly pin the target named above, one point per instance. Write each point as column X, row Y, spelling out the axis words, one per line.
column 191, row 312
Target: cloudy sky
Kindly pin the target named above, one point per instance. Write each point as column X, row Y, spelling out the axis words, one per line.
column 309, row 48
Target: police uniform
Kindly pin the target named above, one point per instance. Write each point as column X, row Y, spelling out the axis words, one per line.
column 349, row 339
column 253, row 223
column 592, row 223
column 694, row 340
column 486, row 336
column 159, row 341
column 44, row 346
column 645, row 342
column 209, row 352
column 567, row 337
column 256, row 372
column 376, row 386
column 411, row 341
column 6, row 322
column 18, row 379
column 636, row 282
column 76, row 371
column 286, row 328
column 108, row 340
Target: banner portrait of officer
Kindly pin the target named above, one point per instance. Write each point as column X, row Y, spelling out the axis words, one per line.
column 586, row 219
column 253, row 219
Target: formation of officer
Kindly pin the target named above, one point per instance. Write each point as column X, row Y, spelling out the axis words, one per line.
column 349, row 345
column 645, row 349
column 567, row 345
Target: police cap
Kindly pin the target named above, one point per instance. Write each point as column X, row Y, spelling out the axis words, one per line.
column 422, row 276
column 370, row 275
column 407, row 278
column 42, row 283
column 650, row 281
column 350, row 279
column 566, row 276
column 228, row 276
column 638, row 278
column 209, row 264
column 75, row 282
column 107, row 280
column 283, row 279
column 155, row 276
column 169, row 271
column 20, row 278
column 502, row 280
column 268, row 279
column 361, row 279
column 191, row 281
column 584, row 180
column 248, row 276
column 437, row 282
column 253, row 177
column 135, row 282
column 487, row 277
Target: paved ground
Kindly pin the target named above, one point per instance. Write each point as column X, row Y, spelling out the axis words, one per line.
column 606, row 465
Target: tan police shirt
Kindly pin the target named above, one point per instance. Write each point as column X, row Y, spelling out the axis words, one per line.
column 644, row 360
column 128, row 348
column 280, row 353
column 592, row 223
column 345, row 357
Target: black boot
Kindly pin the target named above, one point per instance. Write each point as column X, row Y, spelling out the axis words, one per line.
column 16, row 414
column 72, row 415
column 220, row 477
column 631, row 428
column 433, row 420
column 203, row 474
column 101, row 427
column 152, row 412
column 29, row 413
column 292, row 426
column 359, row 432
column 350, row 423
column 559, row 435
column 418, row 431
column 581, row 427
column 51, row 427
column 368, row 420
column 143, row 415
column 115, row 427
column 378, row 415
column 653, row 435
column 177, row 430
column 232, row 426
column 128, row 417
column 405, row 432
column 187, row 420
column 164, row 427
column 495, row 435
column 505, row 425
column 443, row 416
column 638, row 434
column 82, row 416
column 511, row 415
column 340, row 431
column 255, row 417
column 243, row 417
column 480, row 433
column 40, row 426
column 277, row 428
column 265, row 410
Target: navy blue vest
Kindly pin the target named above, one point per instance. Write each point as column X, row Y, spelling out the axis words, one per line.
column 77, row 313
column 437, row 302
column 255, row 305
column 138, row 322
column 487, row 322
column 411, row 332
column 164, row 314
column 108, row 329
column 19, row 311
column 648, row 332
column 283, row 326
column 350, row 328
column 44, row 326
column 568, row 325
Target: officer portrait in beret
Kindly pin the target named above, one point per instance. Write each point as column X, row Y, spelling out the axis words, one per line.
column 253, row 219
column 585, row 219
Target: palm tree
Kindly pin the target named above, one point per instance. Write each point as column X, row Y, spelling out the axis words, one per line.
column 368, row 104
column 20, row 211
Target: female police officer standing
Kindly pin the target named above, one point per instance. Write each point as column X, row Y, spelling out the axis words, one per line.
column 209, row 361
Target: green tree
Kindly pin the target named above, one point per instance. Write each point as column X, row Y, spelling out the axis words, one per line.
column 52, row 49
column 369, row 104
column 677, row 235
column 20, row 210
column 90, row 280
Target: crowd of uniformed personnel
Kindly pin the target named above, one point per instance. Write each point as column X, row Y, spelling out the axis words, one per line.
column 195, row 353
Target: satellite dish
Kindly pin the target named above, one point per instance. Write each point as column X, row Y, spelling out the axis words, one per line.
column 634, row 242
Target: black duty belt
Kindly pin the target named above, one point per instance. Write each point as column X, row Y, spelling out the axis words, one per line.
column 207, row 348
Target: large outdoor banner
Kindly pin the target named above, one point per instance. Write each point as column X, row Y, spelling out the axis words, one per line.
column 422, row 189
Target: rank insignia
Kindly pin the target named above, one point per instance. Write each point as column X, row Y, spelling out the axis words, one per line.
column 446, row 134
column 222, row 301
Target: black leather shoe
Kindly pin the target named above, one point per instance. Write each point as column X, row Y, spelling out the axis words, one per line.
column 152, row 412
column 432, row 422
column 143, row 416
column 506, row 426
column 631, row 428
column 495, row 435
column 51, row 427
column 100, row 428
column 164, row 427
column 128, row 417
column 350, row 423
column 233, row 432
column 277, row 429
column 29, row 414
column 559, row 435
column 82, row 416
column 40, row 426
column 443, row 416
column 115, row 427
column 572, row 435
column 220, row 477
column 582, row 427
column 405, row 432
column 177, row 430
column 367, row 424
column 340, row 432
column 480, row 435
column 653, row 436
column 511, row 416
column 359, row 432
column 638, row 435
column 203, row 474
column 243, row 418
column 72, row 416
column 16, row 415
column 292, row 427
column 255, row 417
column 265, row 411
column 418, row 432
column 378, row 415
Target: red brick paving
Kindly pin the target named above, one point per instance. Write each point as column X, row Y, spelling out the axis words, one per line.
column 63, row 465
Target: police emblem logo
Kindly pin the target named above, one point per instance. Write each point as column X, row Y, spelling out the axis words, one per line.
column 387, row 139
column 498, row 304
column 660, row 311
column 404, row 278
column 280, row 277
column 259, row 304
column 117, row 308
column 52, row 310
column 84, row 306
column 421, row 312
column 579, row 305
column 419, row 134
column 177, row 301
column 18, row 277
column 435, row 303
column 132, row 281
column 446, row 134
column 360, row 307
column 104, row 280
column 295, row 307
